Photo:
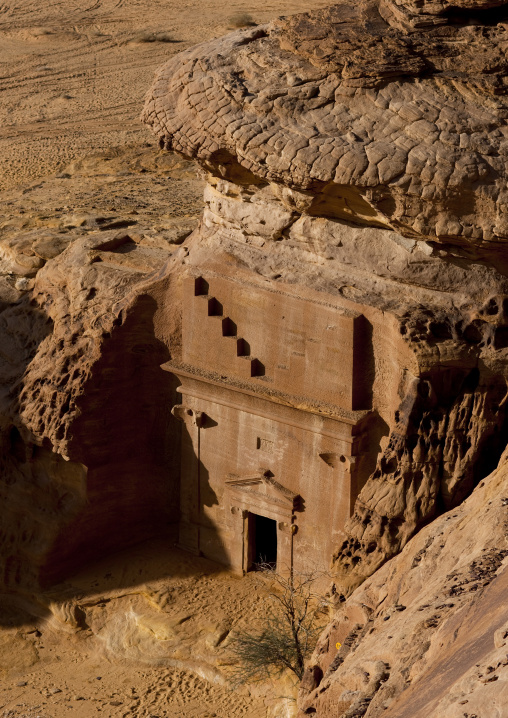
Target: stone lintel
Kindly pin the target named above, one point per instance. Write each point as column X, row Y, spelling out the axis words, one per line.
column 282, row 408
column 273, row 490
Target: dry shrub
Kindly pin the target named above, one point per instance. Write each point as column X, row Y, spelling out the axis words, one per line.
column 148, row 36
column 286, row 637
column 241, row 19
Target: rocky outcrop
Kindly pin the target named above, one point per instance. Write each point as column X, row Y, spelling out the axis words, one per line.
column 360, row 151
column 449, row 434
column 347, row 152
column 382, row 126
column 426, row 635
column 442, row 401
column 82, row 340
column 84, row 407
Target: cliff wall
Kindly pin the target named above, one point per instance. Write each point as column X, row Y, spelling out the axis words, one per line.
column 360, row 151
column 357, row 153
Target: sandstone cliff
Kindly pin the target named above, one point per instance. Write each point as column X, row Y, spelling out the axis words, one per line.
column 360, row 151
column 84, row 406
column 379, row 177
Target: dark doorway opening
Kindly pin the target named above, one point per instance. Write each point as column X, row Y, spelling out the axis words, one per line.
column 262, row 542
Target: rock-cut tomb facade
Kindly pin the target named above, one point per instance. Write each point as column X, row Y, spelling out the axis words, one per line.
column 275, row 393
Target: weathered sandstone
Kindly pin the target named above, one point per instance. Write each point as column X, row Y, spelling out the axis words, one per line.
column 360, row 151
column 379, row 178
column 427, row 634
column 67, row 346
column 77, row 335
column 381, row 126
column 355, row 167
column 442, row 403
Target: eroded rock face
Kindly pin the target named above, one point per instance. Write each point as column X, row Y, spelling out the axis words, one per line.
column 383, row 126
column 347, row 147
column 357, row 151
column 360, row 151
column 449, row 434
column 442, row 402
column 426, row 635
column 73, row 472
column 84, row 406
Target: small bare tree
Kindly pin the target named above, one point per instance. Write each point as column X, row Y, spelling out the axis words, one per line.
column 287, row 635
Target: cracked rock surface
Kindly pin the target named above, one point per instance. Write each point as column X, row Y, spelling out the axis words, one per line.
column 411, row 121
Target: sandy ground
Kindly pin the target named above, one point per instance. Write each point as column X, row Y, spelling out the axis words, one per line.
column 119, row 640
column 73, row 74
column 74, row 157
column 151, row 194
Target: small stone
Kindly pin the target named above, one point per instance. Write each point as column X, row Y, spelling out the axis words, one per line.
column 21, row 684
column 488, row 679
column 23, row 284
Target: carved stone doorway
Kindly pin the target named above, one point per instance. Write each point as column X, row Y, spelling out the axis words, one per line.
column 262, row 542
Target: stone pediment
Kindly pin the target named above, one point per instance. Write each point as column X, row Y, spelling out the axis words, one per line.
column 263, row 485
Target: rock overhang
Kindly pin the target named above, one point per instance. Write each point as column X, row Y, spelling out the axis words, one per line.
column 405, row 127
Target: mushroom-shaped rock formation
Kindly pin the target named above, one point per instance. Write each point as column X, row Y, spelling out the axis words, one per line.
column 385, row 114
column 362, row 150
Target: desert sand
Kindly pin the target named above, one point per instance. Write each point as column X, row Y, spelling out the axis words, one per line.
column 118, row 640
column 74, row 74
